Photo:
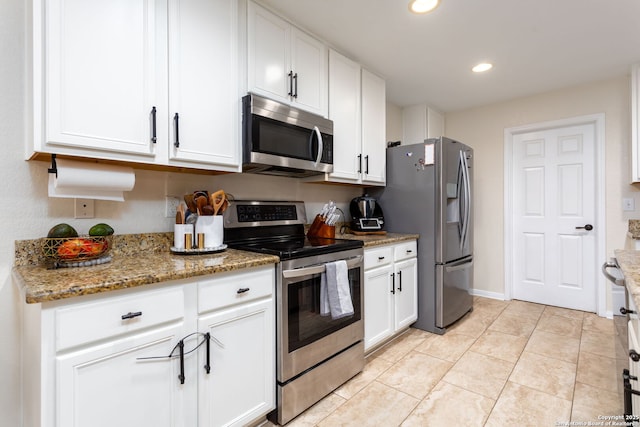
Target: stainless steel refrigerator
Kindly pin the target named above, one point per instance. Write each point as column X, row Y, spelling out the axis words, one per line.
column 429, row 191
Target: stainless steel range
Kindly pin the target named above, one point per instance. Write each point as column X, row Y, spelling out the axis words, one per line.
column 315, row 352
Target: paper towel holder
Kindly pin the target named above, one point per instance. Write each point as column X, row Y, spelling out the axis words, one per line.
column 54, row 167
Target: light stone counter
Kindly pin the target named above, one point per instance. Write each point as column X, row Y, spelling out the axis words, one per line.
column 379, row 239
column 137, row 260
column 629, row 262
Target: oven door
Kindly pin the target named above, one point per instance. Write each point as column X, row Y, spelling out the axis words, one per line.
column 305, row 337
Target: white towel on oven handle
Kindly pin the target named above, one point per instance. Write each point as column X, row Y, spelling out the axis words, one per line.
column 337, row 294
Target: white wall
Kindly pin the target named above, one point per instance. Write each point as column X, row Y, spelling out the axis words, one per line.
column 27, row 213
column 483, row 128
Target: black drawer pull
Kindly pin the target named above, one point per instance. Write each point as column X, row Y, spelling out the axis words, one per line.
column 625, row 310
column 243, row 290
column 131, row 315
column 380, row 258
column 634, row 355
column 409, row 251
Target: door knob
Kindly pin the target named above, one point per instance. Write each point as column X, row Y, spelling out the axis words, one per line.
column 587, row 227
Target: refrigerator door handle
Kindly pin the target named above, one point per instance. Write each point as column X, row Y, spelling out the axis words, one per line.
column 466, row 200
column 456, row 267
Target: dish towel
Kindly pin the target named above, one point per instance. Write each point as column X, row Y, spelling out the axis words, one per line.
column 335, row 293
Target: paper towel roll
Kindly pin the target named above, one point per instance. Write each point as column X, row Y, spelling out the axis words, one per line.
column 90, row 180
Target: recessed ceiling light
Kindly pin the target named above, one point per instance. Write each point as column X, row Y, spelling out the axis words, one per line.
column 423, row 6
column 482, row 67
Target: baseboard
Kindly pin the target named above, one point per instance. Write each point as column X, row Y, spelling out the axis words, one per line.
column 487, row 294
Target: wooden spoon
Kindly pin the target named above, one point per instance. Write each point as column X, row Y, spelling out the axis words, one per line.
column 217, row 200
column 201, row 202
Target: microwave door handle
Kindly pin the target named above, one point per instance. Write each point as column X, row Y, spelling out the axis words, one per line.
column 317, row 269
column 320, row 145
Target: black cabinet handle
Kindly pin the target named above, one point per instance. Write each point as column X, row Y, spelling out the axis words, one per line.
column 243, row 290
column 409, row 251
column 207, row 366
column 131, row 315
column 400, row 281
column 154, row 137
column 380, row 258
column 393, row 283
column 290, row 75
column 359, row 163
column 176, row 120
column 634, row 355
column 295, row 81
column 366, row 163
column 181, row 347
column 625, row 310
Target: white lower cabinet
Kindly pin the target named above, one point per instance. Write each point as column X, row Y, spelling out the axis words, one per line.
column 390, row 291
column 115, row 358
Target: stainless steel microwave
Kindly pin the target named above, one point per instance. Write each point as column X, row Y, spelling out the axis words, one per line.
column 282, row 140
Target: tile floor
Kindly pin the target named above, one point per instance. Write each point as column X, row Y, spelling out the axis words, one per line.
column 507, row 363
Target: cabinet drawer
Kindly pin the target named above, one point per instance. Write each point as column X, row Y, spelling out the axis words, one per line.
column 223, row 290
column 84, row 323
column 405, row 250
column 378, row 257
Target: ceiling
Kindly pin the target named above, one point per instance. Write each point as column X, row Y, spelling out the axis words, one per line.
column 535, row 45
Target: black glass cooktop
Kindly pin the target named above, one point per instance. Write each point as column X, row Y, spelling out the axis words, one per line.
column 298, row 247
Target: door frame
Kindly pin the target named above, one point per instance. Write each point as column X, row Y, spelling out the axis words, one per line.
column 598, row 120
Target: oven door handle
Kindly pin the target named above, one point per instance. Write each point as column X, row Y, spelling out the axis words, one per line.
column 613, row 279
column 317, row 269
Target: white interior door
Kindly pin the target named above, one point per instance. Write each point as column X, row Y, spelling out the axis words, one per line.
column 554, row 194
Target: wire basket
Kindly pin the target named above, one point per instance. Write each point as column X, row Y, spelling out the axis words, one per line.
column 81, row 248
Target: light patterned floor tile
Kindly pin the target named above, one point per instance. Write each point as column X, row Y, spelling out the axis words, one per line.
column 416, row 374
column 500, row 345
column 513, row 324
column 596, row 342
column 449, row 346
column 524, row 309
column 545, row 374
column 564, row 312
column 442, row 407
column 475, row 323
column 480, row 374
column 597, row 371
column 560, row 325
column 589, row 403
column 593, row 322
column 402, row 345
column 553, row 345
column 521, row 406
column 376, row 405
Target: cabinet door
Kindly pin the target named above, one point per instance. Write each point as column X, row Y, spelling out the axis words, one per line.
column 268, row 54
column 373, row 128
column 406, row 296
column 635, row 123
column 104, row 71
column 309, row 65
column 344, row 110
column 202, row 75
column 241, row 384
column 378, row 306
column 106, row 385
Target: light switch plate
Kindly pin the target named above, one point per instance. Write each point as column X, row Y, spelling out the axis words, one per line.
column 628, row 205
column 171, row 206
column 83, row 208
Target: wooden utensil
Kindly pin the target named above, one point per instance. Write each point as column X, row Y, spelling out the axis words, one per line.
column 191, row 204
column 201, row 202
column 217, row 200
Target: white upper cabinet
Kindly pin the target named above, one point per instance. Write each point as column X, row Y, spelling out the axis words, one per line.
column 635, row 123
column 374, row 129
column 102, row 74
column 344, row 111
column 357, row 107
column 109, row 78
column 285, row 63
column 420, row 122
column 204, row 101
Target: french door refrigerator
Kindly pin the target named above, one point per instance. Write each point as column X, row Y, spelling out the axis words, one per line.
column 429, row 191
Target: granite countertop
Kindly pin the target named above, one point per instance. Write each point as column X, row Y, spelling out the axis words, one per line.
column 629, row 262
column 634, row 229
column 379, row 239
column 137, row 260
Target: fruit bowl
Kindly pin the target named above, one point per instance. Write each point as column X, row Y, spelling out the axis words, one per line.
column 71, row 249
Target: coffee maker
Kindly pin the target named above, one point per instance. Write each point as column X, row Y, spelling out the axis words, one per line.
column 366, row 215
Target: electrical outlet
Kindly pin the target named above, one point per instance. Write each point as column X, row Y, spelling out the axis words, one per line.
column 83, row 208
column 171, row 206
column 628, row 205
